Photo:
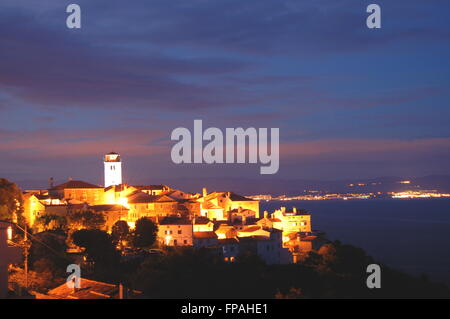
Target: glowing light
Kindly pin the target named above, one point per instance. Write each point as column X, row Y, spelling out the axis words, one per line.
column 168, row 238
column 221, row 236
column 123, row 201
column 9, row 232
column 132, row 225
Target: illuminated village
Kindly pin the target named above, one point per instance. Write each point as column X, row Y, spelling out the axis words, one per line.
column 222, row 221
column 140, row 241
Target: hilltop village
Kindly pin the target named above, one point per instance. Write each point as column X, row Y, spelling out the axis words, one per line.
column 153, row 241
column 224, row 220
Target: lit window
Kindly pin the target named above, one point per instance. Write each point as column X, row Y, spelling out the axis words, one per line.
column 9, row 233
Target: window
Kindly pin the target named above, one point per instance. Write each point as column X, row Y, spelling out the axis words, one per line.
column 179, row 232
column 174, row 242
column 185, row 242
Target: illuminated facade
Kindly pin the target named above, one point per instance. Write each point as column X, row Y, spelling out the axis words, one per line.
column 218, row 205
column 291, row 222
column 173, row 231
column 79, row 192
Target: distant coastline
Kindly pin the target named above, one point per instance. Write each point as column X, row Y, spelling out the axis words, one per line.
column 407, row 234
column 353, row 196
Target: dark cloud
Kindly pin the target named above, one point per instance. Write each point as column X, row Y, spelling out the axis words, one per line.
column 137, row 70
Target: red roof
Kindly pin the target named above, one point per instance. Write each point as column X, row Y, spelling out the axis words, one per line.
column 250, row 229
column 108, row 208
column 205, row 234
column 89, row 289
column 75, row 184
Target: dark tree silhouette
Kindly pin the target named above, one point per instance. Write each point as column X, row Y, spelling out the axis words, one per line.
column 87, row 220
column 11, row 201
column 144, row 234
column 120, row 231
column 98, row 246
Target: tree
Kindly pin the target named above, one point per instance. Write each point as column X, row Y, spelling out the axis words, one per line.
column 145, row 232
column 48, row 254
column 120, row 231
column 87, row 220
column 50, row 222
column 98, row 246
column 101, row 250
column 11, row 202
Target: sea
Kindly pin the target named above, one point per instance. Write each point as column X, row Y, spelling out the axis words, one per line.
column 412, row 235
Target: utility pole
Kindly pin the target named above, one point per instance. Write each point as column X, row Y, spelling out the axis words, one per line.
column 26, row 256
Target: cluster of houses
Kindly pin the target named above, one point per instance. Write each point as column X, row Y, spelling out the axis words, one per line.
column 229, row 222
column 219, row 219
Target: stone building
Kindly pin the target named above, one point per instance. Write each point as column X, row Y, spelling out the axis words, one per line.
column 175, row 231
column 218, row 205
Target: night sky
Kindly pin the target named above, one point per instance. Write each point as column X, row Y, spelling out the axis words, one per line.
column 350, row 102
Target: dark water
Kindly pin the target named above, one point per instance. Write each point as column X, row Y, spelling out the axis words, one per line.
column 410, row 235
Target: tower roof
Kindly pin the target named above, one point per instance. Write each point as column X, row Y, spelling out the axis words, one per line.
column 112, row 157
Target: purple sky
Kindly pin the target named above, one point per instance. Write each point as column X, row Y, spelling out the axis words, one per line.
column 350, row 102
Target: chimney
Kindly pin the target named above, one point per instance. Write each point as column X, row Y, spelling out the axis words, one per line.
column 244, row 220
column 121, row 294
column 294, row 209
column 283, row 209
column 240, row 209
column 50, row 182
column 205, row 192
column 266, row 214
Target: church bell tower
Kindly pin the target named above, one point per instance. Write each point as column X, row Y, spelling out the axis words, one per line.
column 113, row 169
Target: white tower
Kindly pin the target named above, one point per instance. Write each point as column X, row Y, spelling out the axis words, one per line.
column 113, row 169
